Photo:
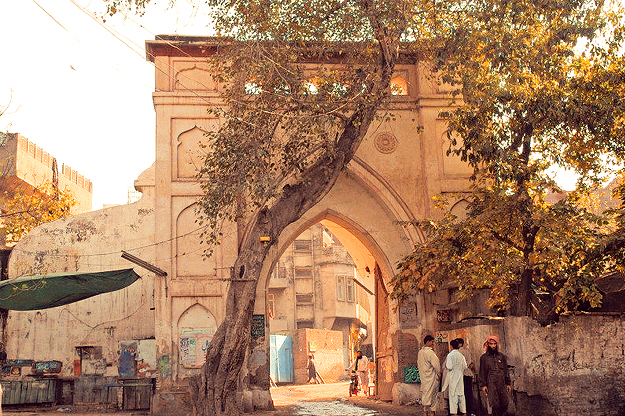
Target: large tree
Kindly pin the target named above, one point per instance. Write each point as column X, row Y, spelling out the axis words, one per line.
column 553, row 98
column 288, row 130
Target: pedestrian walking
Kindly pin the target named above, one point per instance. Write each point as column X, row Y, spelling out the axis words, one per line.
column 455, row 365
column 469, row 373
column 429, row 372
column 494, row 378
column 312, row 370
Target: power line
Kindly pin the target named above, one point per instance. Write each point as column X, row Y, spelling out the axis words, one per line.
column 87, row 47
column 110, row 30
column 117, row 35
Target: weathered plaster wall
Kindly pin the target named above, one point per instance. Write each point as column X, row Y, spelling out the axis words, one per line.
column 577, row 365
column 87, row 242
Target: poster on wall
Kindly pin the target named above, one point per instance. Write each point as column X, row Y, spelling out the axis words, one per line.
column 194, row 343
column 136, row 359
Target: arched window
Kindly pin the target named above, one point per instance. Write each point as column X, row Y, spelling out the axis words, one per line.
column 399, row 86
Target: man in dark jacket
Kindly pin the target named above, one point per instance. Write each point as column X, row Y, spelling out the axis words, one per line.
column 312, row 370
column 494, row 378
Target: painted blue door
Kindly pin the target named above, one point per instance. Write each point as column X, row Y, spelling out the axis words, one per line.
column 281, row 357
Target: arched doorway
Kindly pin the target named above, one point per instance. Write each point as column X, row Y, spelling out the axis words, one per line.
column 320, row 305
column 369, row 229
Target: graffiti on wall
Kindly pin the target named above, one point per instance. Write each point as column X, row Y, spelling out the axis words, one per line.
column 193, row 344
column 258, row 326
column 48, row 367
column 94, row 367
column 164, row 367
column 127, row 362
column 408, row 315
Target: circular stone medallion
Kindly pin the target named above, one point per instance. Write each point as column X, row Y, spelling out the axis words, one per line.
column 386, row 142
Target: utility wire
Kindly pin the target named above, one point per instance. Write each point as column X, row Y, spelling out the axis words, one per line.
column 111, row 30
column 87, row 47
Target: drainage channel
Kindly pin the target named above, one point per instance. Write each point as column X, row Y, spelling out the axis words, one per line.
column 332, row 408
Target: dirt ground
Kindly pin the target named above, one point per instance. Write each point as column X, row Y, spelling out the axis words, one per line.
column 289, row 400
column 286, row 399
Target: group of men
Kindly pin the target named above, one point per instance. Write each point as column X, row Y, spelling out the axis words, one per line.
column 458, row 372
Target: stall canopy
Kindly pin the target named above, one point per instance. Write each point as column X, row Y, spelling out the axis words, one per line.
column 29, row 293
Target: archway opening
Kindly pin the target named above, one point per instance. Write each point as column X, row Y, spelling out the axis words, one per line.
column 321, row 304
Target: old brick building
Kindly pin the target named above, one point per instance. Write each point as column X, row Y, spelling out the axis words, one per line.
column 315, row 285
column 23, row 164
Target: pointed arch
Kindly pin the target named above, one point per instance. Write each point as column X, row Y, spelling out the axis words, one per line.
column 196, row 78
column 459, row 209
column 190, row 259
column 196, row 328
column 188, row 152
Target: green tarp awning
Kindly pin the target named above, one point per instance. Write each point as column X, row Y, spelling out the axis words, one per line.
column 29, row 293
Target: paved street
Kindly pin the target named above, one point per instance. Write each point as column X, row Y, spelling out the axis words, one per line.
column 301, row 400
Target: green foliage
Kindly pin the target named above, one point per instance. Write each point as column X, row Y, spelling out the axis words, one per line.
column 530, row 98
column 487, row 250
column 28, row 208
column 537, row 85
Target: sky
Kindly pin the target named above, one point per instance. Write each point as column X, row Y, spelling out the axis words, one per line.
column 83, row 91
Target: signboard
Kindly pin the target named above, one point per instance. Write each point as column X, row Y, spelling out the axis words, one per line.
column 408, row 315
column 411, row 374
column 258, row 326
column 443, row 315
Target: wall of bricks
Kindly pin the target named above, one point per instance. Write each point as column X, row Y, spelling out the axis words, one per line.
column 328, row 346
column 408, row 347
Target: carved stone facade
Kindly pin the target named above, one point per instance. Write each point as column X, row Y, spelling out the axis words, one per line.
column 391, row 180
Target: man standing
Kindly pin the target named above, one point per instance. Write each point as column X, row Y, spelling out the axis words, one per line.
column 361, row 366
column 455, row 364
column 494, row 378
column 469, row 372
column 429, row 372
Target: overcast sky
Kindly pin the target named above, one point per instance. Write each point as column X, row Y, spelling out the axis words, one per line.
column 84, row 93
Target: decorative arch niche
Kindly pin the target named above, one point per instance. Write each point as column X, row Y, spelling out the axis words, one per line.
column 459, row 209
column 399, row 86
column 195, row 78
column 189, row 153
column 190, row 259
column 196, row 328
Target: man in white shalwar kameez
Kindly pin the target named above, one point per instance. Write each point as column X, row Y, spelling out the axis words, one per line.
column 454, row 381
column 429, row 373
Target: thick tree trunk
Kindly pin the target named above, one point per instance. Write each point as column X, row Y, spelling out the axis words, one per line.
column 520, row 296
column 216, row 391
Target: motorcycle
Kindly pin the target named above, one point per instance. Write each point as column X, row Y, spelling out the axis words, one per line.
column 354, row 384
